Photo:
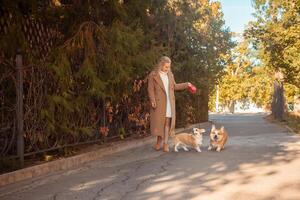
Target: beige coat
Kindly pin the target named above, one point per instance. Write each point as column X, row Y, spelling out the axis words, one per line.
column 156, row 92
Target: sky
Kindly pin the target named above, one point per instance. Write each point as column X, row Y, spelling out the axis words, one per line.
column 237, row 13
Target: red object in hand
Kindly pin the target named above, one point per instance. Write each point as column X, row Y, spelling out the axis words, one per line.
column 192, row 89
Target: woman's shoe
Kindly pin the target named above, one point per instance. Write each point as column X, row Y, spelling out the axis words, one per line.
column 158, row 143
column 166, row 148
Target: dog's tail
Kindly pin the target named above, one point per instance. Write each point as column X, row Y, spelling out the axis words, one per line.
column 173, row 138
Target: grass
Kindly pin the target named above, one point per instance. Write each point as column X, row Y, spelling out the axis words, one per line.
column 291, row 120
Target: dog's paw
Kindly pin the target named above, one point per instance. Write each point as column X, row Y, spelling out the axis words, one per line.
column 209, row 148
column 198, row 150
column 176, row 150
column 218, row 149
column 186, row 149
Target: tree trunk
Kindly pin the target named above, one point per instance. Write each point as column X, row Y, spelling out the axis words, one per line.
column 231, row 106
column 217, row 99
column 278, row 101
column 202, row 110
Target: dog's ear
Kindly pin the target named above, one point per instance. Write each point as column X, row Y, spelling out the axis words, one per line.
column 222, row 129
column 213, row 127
column 195, row 130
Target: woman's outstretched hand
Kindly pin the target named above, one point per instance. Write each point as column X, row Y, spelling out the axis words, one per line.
column 192, row 88
column 153, row 104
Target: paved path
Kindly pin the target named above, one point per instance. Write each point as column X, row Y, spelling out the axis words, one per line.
column 261, row 162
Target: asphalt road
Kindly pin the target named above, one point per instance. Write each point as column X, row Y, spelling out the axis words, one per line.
column 260, row 162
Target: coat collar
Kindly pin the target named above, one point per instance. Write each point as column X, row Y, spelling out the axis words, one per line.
column 157, row 78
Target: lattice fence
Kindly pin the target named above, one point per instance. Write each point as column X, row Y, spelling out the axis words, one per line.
column 40, row 39
column 130, row 115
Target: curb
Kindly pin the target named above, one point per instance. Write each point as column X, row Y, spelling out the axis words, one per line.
column 290, row 129
column 78, row 160
column 71, row 162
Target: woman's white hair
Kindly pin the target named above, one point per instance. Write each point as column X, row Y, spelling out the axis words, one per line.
column 161, row 61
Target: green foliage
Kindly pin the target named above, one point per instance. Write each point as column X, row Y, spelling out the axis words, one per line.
column 271, row 44
column 121, row 132
column 130, row 45
column 260, row 87
column 276, row 34
column 244, row 79
column 290, row 91
column 198, row 44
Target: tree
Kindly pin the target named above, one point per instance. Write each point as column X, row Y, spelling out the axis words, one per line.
column 244, row 79
column 276, row 33
column 198, row 44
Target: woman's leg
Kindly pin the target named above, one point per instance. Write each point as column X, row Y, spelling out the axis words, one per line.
column 158, row 143
column 166, row 133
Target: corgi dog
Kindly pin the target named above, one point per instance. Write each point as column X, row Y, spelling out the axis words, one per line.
column 218, row 138
column 185, row 140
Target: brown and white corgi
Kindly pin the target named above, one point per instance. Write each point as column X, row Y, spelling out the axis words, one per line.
column 186, row 140
column 218, row 138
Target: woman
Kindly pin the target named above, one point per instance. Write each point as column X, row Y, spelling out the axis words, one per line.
column 161, row 86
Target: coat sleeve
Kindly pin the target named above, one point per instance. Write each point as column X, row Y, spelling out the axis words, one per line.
column 151, row 88
column 180, row 86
